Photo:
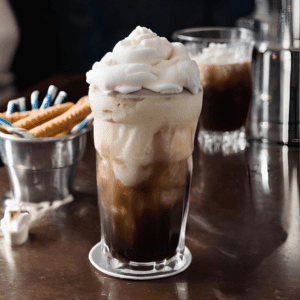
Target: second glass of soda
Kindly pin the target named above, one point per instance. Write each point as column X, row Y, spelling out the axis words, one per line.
column 224, row 58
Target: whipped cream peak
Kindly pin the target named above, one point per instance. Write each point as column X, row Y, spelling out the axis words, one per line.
column 145, row 60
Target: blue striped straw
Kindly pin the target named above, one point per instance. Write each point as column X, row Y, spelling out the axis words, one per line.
column 60, row 98
column 21, row 104
column 4, row 122
column 87, row 121
column 49, row 96
column 16, row 105
column 12, row 105
column 34, row 99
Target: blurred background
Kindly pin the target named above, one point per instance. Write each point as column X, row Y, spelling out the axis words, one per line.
column 68, row 36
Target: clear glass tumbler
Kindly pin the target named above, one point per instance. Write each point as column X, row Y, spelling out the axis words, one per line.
column 224, row 58
column 144, row 168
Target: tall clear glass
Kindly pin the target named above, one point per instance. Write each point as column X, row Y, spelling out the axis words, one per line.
column 224, row 58
column 144, row 168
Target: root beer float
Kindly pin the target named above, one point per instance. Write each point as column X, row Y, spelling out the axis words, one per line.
column 146, row 98
column 226, row 80
column 223, row 55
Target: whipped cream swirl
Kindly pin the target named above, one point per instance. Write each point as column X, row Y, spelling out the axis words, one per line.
column 145, row 60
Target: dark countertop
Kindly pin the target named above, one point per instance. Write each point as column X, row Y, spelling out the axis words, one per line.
column 243, row 231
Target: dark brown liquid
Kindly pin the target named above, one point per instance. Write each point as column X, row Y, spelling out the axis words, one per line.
column 142, row 223
column 226, row 98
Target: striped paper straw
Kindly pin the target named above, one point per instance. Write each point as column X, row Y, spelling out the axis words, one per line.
column 34, row 99
column 16, row 105
column 88, row 120
column 60, row 98
column 21, row 104
column 4, row 122
column 49, row 96
column 12, row 105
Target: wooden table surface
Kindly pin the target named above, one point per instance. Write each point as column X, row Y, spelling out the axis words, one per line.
column 243, row 231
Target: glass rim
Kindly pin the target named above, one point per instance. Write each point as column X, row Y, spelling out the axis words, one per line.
column 146, row 93
column 188, row 34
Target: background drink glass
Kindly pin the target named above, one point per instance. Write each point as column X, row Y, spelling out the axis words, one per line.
column 144, row 167
column 224, row 59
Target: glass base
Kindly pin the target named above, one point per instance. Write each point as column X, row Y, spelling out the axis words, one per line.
column 101, row 259
column 228, row 142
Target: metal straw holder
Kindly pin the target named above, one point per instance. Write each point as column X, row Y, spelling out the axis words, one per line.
column 42, row 169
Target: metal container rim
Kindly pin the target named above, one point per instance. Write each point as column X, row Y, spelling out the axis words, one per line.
column 46, row 139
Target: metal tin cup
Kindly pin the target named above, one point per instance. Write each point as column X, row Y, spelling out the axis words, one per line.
column 42, row 169
column 224, row 58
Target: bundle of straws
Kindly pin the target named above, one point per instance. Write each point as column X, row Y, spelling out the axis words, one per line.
column 50, row 99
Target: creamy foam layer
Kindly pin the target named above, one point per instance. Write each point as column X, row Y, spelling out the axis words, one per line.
column 145, row 60
column 218, row 74
column 135, row 131
column 222, row 54
column 130, row 148
column 144, row 106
